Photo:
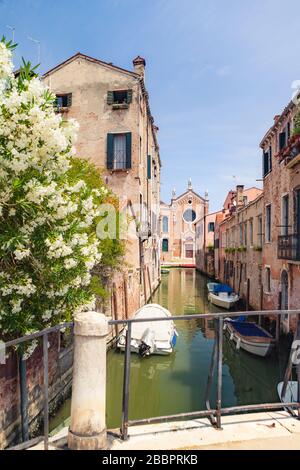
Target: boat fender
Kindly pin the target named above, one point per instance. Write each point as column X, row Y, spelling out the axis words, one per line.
column 122, row 340
column 238, row 344
column 231, row 336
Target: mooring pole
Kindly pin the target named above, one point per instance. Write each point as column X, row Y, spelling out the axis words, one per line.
column 23, row 398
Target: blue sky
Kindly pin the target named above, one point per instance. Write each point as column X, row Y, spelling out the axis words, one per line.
column 217, row 72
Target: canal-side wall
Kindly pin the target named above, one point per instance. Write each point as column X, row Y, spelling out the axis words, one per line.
column 60, row 376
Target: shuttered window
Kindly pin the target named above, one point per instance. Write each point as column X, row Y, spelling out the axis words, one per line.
column 64, row 100
column 119, row 97
column 267, row 162
column 149, row 167
column 119, row 151
column 282, row 140
column 165, row 245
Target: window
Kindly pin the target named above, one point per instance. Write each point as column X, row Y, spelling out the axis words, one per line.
column 268, row 280
column 297, row 210
column 267, row 161
column 285, row 215
column 241, row 234
column 119, row 98
column 189, row 215
column 282, row 140
column 211, row 227
column 63, row 100
column 165, row 245
column 259, row 231
column 251, row 232
column 149, row 164
column 268, row 224
column 119, row 151
column 245, row 234
column 165, row 221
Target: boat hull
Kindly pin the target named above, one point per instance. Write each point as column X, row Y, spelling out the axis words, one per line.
column 223, row 302
column 257, row 346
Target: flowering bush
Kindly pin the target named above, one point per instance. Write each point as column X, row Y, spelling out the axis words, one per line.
column 48, row 208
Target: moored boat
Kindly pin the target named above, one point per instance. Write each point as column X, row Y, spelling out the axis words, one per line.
column 222, row 295
column 291, row 393
column 150, row 337
column 250, row 337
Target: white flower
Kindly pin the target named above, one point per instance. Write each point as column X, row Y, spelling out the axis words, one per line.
column 70, row 263
column 21, row 253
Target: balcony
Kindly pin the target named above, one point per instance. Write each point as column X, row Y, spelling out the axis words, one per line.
column 291, row 152
column 289, row 247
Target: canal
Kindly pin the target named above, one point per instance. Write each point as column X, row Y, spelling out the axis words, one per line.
column 162, row 385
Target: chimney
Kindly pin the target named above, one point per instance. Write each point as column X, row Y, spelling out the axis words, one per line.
column 139, row 66
column 240, row 195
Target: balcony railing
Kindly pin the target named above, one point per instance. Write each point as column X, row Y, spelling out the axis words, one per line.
column 289, row 247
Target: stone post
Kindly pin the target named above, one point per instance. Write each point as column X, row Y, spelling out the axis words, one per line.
column 88, row 427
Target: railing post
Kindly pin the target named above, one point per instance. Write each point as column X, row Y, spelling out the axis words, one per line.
column 125, row 402
column 219, row 375
column 88, row 406
column 46, row 392
column 23, row 398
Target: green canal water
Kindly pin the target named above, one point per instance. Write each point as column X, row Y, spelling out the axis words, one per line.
column 162, row 385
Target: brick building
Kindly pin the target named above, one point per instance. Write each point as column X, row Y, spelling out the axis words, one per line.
column 118, row 134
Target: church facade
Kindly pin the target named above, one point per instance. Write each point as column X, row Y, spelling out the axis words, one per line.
column 178, row 237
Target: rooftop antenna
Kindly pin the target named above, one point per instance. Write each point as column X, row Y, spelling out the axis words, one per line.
column 12, row 28
column 38, row 43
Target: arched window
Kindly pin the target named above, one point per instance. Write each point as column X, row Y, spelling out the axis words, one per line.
column 165, row 223
column 165, row 245
column 189, row 215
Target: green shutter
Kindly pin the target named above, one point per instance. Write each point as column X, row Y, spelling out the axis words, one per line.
column 110, row 97
column 128, row 150
column 282, row 140
column 129, row 96
column 149, row 167
column 110, row 151
column 69, row 100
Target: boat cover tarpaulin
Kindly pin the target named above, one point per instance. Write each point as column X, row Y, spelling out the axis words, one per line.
column 248, row 329
column 222, row 288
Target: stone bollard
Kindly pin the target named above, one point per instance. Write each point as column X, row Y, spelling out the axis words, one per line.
column 88, row 426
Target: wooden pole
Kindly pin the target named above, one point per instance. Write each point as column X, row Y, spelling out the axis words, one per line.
column 115, row 303
column 125, row 297
column 149, row 281
column 145, row 287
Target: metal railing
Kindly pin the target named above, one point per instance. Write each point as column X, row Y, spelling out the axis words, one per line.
column 44, row 334
column 214, row 414
column 289, row 247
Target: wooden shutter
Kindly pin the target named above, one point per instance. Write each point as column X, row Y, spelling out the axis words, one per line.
column 110, row 97
column 129, row 96
column 270, row 158
column 128, row 150
column 288, row 130
column 265, row 163
column 110, row 151
column 282, row 140
column 69, row 100
column 149, row 166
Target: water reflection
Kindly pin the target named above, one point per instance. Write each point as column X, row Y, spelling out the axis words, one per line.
column 161, row 385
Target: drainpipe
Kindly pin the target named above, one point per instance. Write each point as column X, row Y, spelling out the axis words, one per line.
column 23, row 398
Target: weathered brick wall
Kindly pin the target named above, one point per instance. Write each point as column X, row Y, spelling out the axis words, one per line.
column 60, row 371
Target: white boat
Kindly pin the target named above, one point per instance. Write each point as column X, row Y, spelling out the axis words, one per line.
column 250, row 337
column 153, row 337
column 291, row 393
column 223, row 299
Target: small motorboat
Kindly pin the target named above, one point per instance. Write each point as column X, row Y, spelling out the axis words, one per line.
column 250, row 337
column 291, row 393
column 165, row 271
column 222, row 295
column 153, row 337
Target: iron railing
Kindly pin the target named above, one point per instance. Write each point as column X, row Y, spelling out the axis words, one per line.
column 289, row 247
column 214, row 414
column 44, row 334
